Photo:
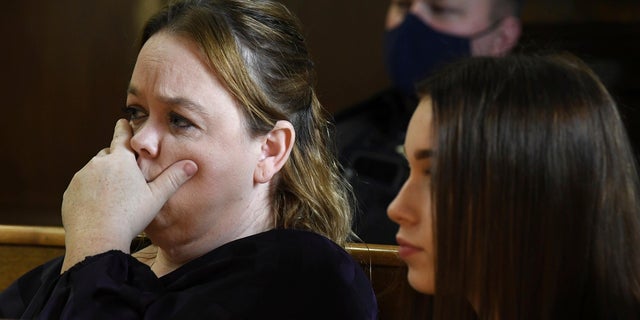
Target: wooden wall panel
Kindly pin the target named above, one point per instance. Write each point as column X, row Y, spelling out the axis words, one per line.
column 65, row 67
column 346, row 42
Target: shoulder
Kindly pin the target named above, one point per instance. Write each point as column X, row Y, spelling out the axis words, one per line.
column 385, row 108
column 381, row 118
column 277, row 253
column 288, row 274
column 317, row 274
column 298, row 247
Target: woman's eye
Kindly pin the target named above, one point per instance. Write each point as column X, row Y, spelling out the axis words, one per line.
column 179, row 121
column 441, row 10
column 134, row 113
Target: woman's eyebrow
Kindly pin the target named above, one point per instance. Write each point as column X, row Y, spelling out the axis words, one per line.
column 176, row 101
column 132, row 90
column 423, row 154
column 185, row 103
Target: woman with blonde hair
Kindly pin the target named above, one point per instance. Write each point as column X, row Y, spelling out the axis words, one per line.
column 522, row 202
column 224, row 164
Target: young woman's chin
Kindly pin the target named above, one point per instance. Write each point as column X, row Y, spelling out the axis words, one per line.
column 421, row 281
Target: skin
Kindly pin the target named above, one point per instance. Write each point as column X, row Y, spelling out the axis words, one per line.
column 412, row 207
column 463, row 18
column 99, row 212
column 180, row 110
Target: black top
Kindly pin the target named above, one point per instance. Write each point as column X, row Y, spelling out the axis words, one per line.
column 369, row 137
column 278, row 274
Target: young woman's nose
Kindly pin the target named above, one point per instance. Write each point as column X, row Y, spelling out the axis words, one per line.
column 401, row 209
column 146, row 141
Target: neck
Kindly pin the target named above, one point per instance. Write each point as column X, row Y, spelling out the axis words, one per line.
column 186, row 235
column 170, row 256
column 163, row 264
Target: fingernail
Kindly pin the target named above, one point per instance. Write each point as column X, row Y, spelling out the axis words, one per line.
column 190, row 168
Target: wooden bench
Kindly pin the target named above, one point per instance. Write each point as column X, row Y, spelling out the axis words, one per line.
column 388, row 274
column 22, row 248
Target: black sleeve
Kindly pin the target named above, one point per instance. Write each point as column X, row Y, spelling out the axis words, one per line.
column 111, row 285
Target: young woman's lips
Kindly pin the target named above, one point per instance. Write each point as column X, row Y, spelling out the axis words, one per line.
column 406, row 249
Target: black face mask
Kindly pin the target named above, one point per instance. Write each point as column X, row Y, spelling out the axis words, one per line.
column 413, row 50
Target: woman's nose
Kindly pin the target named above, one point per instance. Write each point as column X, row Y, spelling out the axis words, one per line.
column 146, row 141
column 400, row 209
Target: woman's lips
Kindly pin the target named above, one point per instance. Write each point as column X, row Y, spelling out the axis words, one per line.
column 406, row 249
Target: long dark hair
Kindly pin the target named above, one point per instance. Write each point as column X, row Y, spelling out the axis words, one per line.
column 535, row 191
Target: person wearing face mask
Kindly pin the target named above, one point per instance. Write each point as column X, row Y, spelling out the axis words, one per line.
column 421, row 36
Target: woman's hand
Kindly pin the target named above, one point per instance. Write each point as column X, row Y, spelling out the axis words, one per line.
column 109, row 202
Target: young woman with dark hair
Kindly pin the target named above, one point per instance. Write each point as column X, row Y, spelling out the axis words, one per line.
column 522, row 202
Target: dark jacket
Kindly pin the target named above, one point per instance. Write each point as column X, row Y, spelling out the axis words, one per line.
column 370, row 138
column 279, row 274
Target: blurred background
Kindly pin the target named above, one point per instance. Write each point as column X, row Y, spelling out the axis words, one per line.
column 66, row 64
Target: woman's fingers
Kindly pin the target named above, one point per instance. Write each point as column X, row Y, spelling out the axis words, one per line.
column 121, row 135
column 169, row 181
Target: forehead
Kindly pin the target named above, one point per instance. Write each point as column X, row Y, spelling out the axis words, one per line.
column 172, row 68
column 460, row 17
column 420, row 131
column 462, row 3
column 473, row 8
column 173, row 57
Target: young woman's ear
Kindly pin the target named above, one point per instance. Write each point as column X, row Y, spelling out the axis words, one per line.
column 276, row 149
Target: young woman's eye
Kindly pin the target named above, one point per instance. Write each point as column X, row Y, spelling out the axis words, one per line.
column 179, row 121
column 134, row 113
column 441, row 10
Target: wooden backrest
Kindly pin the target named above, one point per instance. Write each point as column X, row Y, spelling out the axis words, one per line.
column 388, row 274
column 22, row 248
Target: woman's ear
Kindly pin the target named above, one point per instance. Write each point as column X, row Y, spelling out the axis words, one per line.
column 275, row 152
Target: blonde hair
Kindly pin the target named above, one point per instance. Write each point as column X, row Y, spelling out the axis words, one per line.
column 256, row 49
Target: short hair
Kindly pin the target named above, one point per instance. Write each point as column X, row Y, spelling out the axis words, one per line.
column 256, row 49
column 535, row 191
